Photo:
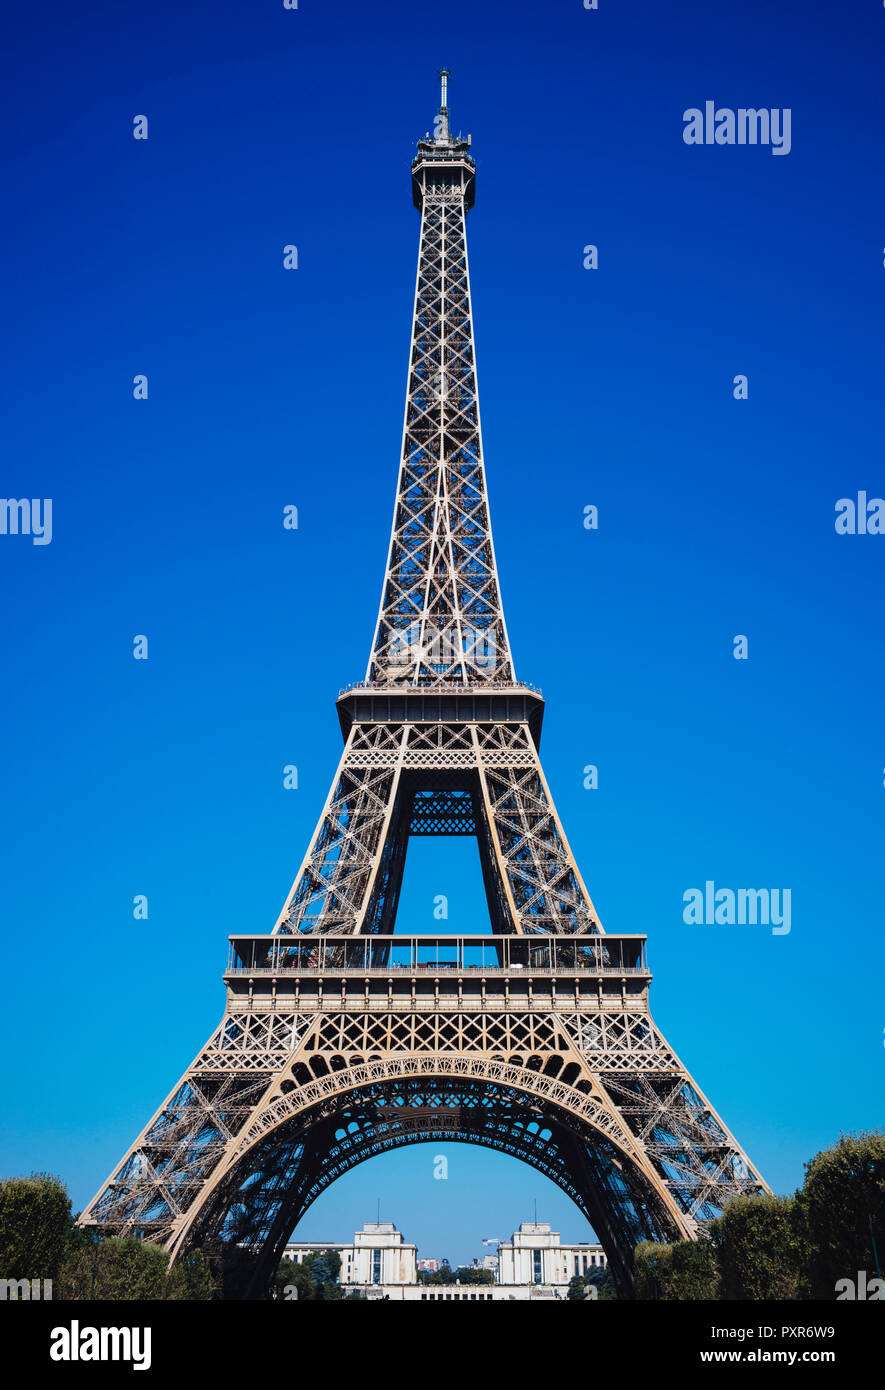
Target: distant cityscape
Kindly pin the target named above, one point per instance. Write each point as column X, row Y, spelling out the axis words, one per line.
column 532, row 1264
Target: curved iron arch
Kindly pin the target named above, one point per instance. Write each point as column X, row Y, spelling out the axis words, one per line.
column 366, row 1111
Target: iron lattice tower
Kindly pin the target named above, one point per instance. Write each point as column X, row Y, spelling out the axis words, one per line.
column 340, row 1039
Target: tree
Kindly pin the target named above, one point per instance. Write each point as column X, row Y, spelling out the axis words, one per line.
column 681, row 1271
column 760, row 1249
column 116, row 1269
column 841, row 1208
column 131, row 1270
column 35, row 1216
column 291, row 1279
column 652, row 1266
column 469, row 1274
column 316, row 1278
column 189, row 1279
column 325, row 1267
column 607, row 1291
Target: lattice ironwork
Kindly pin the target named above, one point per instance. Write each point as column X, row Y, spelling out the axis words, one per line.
column 350, row 878
column 605, row 1077
column 331, row 1053
column 441, row 617
column 442, row 813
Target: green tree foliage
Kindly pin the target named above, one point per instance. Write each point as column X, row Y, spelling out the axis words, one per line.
column 651, row 1268
column 681, row 1271
column 189, row 1279
column 841, row 1207
column 606, row 1289
column 580, row 1286
column 131, row 1270
column 769, row 1248
column 290, row 1276
column 469, row 1274
column 315, row 1279
column 35, row 1216
column 464, row 1274
column 325, row 1267
column 760, row 1249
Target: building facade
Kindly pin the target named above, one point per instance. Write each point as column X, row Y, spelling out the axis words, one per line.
column 466, row 1293
column 533, row 1264
column 379, row 1255
column 535, row 1255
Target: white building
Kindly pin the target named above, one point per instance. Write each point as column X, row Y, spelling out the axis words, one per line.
column 532, row 1265
column 379, row 1255
column 535, row 1255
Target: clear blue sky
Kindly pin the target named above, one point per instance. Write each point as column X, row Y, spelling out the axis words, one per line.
column 611, row 387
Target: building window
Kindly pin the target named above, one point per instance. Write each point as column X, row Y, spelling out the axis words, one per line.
column 536, row 1266
column 376, row 1266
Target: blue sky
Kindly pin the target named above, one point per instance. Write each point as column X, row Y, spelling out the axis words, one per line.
column 609, row 387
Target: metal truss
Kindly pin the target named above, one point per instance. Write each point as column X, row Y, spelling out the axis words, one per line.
column 441, row 618
column 330, row 1054
column 266, row 1117
column 441, row 778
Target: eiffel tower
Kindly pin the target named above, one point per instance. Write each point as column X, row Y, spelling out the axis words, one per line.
column 342, row 1039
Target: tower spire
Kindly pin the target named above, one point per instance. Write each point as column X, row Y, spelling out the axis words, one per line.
column 440, row 620
column 442, row 120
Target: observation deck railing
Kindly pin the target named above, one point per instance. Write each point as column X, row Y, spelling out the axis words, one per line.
column 426, row 954
column 432, row 687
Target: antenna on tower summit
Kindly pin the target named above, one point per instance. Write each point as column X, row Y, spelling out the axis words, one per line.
column 442, row 120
